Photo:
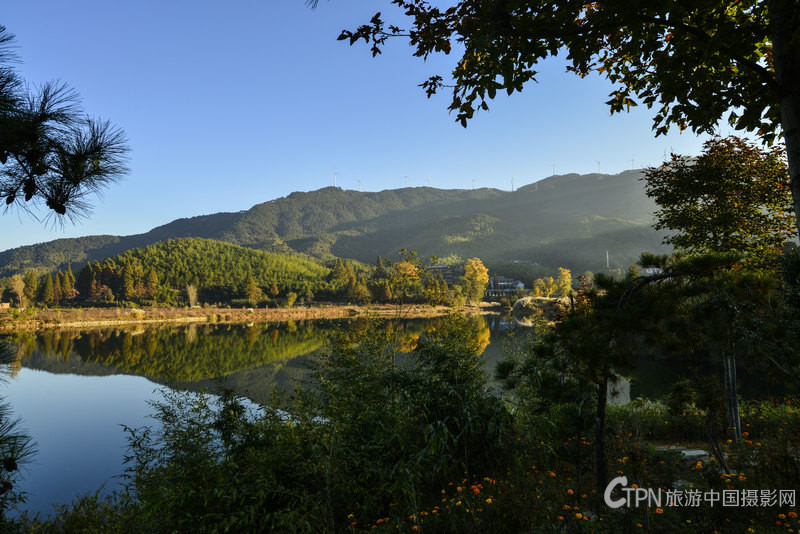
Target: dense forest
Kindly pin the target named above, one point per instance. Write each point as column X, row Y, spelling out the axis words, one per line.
column 568, row 221
column 193, row 271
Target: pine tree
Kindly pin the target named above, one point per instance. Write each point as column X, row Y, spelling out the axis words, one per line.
column 85, row 281
column 151, row 283
column 128, row 284
column 58, row 293
column 46, row 289
column 68, row 283
column 31, row 291
column 251, row 290
column 380, row 271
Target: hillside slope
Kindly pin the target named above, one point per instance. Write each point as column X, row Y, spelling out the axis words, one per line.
column 569, row 220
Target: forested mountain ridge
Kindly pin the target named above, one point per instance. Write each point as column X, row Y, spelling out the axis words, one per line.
column 568, row 220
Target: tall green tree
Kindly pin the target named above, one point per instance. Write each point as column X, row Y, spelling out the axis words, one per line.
column 695, row 62
column 46, row 292
column 251, row 290
column 68, row 282
column 151, row 283
column 734, row 197
column 128, row 284
column 58, row 291
column 31, row 286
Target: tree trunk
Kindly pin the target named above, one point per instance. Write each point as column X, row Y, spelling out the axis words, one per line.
column 731, row 394
column 784, row 20
column 600, row 435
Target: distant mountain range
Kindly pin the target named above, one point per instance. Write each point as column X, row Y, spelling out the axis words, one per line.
column 569, row 220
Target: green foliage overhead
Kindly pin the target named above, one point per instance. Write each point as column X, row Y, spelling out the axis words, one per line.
column 50, row 153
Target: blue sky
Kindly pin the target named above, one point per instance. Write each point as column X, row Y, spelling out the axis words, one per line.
column 226, row 105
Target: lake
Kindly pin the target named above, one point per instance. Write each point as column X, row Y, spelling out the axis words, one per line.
column 74, row 389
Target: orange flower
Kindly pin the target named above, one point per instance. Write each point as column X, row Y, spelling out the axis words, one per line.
column 659, row 511
column 570, row 492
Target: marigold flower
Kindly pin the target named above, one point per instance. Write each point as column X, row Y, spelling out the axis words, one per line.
column 745, row 434
column 489, row 501
column 792, row 515
column 570, row 492
column 659, row 511
column 561, row 518
column 579, row 515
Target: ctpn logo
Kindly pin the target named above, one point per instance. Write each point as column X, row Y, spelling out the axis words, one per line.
column 637, row 496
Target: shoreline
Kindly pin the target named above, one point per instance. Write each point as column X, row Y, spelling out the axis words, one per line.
column 57, row 318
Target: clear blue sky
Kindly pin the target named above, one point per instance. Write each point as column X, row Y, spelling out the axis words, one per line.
column 229, row 104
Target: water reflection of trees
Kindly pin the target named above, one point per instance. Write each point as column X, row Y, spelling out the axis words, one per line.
column 198, row 352
column 180, row 354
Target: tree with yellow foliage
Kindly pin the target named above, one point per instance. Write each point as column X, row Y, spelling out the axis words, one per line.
column 476, row 278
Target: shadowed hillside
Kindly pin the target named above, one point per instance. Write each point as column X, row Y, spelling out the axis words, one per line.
column 568, row 220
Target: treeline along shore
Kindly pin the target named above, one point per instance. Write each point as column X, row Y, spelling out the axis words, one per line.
column 99, row 317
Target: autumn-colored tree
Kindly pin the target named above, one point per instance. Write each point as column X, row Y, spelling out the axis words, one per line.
column 476, row 278
column 563, row 282
column 17, row 287
column 273, row 290
column 544, row 287
column 191, row 295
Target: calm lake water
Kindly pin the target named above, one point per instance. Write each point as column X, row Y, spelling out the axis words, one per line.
column 74, row 389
